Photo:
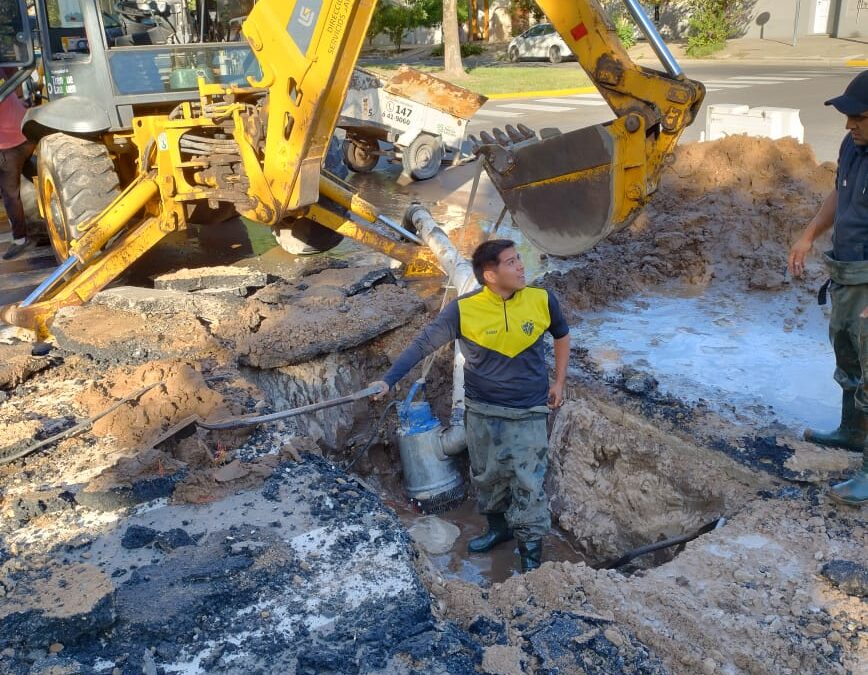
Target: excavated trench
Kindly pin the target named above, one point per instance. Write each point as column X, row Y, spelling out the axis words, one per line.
column 703, row 317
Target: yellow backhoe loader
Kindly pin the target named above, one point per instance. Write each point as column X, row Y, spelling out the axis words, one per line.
column 249, row 126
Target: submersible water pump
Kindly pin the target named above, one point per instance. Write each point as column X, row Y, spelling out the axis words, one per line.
column 431, row 475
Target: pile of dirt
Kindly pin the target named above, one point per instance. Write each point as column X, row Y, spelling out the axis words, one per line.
column 181, row 392
column 725, row 210
column 17, row 364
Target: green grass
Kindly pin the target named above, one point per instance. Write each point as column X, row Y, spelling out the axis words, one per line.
column 489, row 80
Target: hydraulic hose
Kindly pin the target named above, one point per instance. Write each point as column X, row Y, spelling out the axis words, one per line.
column 665, row 543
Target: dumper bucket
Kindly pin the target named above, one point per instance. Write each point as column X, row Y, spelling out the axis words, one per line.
column 566, row 191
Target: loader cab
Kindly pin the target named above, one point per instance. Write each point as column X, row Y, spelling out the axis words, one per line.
column 108, row 62
column 17, row 57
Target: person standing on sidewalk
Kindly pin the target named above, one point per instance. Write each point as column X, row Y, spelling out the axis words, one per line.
column 845, row 210
column 15, row 150
column 500, row 329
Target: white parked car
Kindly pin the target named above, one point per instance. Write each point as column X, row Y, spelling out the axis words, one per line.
column 539, row 42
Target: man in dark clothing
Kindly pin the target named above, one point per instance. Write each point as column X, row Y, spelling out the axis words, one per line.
column 500, row 329
column 846, row 209
column 15, row 150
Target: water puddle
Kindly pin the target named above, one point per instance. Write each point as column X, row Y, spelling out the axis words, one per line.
column 750, row 350
column 483, row 569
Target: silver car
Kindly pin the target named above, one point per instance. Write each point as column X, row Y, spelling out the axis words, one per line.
column 539, row 42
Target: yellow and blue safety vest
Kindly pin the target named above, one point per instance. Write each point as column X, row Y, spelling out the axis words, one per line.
column 502, row 343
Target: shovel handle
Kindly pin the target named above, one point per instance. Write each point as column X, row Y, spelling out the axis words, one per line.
column 251, row 421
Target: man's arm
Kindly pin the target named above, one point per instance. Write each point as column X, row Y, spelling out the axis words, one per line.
column 443, row 329
column 819, row 224
column 562, row 358
column 560, row 330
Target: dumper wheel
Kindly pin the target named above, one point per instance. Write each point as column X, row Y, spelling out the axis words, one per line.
column 422, row 157
column 555, row 55
column 305, row 237
column 76, row 179
column 360, row 154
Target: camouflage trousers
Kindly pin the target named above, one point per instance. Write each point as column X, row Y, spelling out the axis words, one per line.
column 849, row 338
column 508, row 450
column 848, row 331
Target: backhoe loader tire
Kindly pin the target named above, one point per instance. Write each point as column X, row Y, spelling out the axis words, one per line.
column 422, row 158
column 360, row 154
column 555, row 55
column 76, row 180
column 305, row 237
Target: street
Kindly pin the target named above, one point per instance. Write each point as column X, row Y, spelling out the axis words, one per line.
column 784, row 86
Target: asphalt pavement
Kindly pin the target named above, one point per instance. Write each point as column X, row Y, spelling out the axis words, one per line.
column 802, row 86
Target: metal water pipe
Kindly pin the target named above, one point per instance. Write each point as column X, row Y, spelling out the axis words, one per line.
column 460, row 273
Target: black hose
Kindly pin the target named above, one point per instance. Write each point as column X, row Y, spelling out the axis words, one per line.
column 665, row 543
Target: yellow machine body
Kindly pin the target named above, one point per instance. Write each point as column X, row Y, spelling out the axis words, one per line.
column 259, row 148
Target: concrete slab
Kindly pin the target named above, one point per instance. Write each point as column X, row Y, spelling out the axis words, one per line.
column 222, row 278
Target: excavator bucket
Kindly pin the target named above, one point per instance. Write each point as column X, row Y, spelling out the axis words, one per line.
column 566, row 191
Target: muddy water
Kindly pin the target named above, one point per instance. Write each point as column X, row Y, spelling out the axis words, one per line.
column 753, row 354
column 482, row 569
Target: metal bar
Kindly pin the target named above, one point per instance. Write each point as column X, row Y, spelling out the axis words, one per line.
column 238, row 422
column 472, row 199
column 650, row 30
column 404, row 232
column 497, row 224
column 50, row 282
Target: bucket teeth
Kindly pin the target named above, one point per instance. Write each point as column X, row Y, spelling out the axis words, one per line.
column 487, row 138
column 507, row 139
column 514, row 134
column 526, row 131
column 496, row 146
column 502, row 139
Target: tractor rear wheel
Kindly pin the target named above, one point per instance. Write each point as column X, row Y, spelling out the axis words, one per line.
column 76, row 179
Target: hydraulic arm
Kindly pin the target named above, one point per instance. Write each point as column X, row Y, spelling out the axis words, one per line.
column 259, row 148
column 567, row 191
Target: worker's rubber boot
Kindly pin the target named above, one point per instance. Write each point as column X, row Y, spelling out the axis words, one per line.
column 531, row 554
column 853, row 492
column 498, row 531
column 850, row 434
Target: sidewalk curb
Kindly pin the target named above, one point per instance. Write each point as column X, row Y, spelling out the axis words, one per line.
column 543, row 93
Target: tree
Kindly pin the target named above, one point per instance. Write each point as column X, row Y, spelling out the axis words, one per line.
column 521, row 12
column 713, row 21
column 396, row 18
column 452, row 65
